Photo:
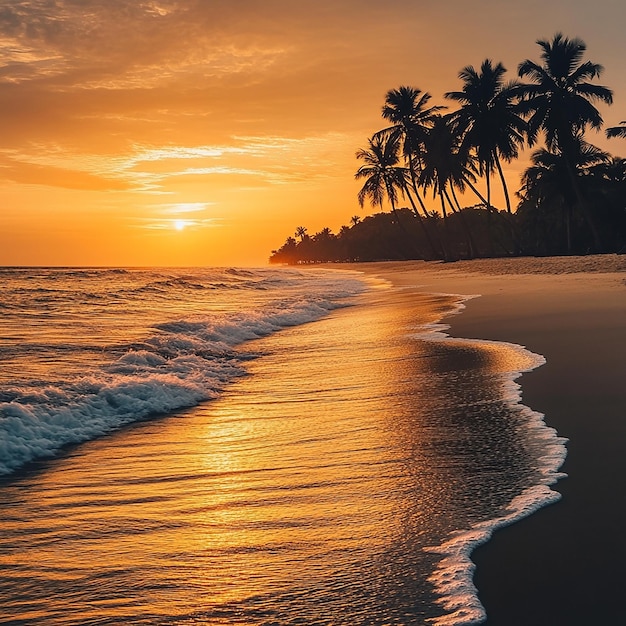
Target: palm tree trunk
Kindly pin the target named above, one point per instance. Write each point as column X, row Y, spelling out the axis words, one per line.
column 568, row 228
column 408, row 239
column 436, row 254
column 415, row 187
column 479, row 195
column 489, row 215
column 446, row 227
column 565, row 142
column 466, row 229
column 429, row 218
column 505, row 188
column 597, row 240
column 507, row 199
column 455, row 198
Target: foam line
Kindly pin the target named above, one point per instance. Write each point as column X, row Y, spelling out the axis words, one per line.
column 184, row 362
column 453, row 577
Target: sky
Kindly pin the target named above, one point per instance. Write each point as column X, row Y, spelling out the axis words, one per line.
column 204, row 132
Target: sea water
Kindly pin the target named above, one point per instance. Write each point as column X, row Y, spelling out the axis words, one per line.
column 273, row 446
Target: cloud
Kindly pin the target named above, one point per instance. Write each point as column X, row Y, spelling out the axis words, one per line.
column 106, row 73
column 249, row 160
column 140, row 93
column 146, row 154
column 125, row 43
column 33, row 174
column 182, row 208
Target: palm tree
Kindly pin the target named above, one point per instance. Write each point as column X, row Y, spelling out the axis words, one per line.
column 384, row 176
column 617, row 131
column 301, row 232
column 612, row 169
column 382, row 170
column 287, row 253
column 325, row 243
column 406, row 108
column 411, row 117
column 489, row 119
column 355, row 219
column 559, row 101
column 445, row 166
column 546, row 185
column 607, row 188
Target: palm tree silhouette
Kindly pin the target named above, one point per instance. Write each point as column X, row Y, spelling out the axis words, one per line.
column 384, row 176
column 406, row 107
column 382, row 170
column 446, row 164
column 617, row 131
column 301, row 232
column 546, row 183
column 559, row 101
column 489, row 120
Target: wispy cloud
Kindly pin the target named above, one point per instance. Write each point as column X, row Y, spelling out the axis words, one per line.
column 123, row 43
column 146, row 154
column 271, row 160
column 66, row 178
column 183, row 208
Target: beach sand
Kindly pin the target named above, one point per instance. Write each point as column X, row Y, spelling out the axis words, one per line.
column 563, row 565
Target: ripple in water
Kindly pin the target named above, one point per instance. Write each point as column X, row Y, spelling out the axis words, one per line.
column 312, row 491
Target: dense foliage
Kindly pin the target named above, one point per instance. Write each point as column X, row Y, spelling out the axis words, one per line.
column 572, row 198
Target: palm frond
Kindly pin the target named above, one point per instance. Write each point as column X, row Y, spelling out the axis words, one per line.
column 617, row 131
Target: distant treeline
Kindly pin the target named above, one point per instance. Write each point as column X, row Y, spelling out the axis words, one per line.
column 572, row 198
column 472, row 233
column 393, row 236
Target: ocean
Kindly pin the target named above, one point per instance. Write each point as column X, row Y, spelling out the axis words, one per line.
column 253, row 446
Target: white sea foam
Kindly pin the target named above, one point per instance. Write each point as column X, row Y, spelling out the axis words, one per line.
column 182, row 363
column 453, row 577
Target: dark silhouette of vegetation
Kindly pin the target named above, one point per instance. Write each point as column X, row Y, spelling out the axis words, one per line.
column 572, row 198
column 406, row 107
column 559, row 102
column 617, row 131
column 378, row 238
column 489, row 121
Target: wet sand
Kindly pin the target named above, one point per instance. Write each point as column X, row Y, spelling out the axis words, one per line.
column 562, row 566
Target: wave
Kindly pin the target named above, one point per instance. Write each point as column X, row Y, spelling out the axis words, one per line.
column 61, row 273
column 182, row 363
column 453, row 576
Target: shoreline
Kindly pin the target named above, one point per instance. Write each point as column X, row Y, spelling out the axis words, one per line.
column 543, row 569
column 289, row 419
column 562, row 564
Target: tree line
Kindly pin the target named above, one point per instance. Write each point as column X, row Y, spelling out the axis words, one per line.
column 572, row 198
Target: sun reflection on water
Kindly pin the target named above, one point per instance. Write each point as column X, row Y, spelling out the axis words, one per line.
column 306, row 494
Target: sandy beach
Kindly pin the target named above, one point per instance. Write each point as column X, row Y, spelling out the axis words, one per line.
column 562, row 566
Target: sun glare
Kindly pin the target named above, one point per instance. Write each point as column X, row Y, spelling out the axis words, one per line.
column 179, row 224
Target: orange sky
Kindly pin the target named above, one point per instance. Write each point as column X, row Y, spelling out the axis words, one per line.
column 202, row 132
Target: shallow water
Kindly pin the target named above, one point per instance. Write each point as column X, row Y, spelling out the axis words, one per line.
column 310, row 491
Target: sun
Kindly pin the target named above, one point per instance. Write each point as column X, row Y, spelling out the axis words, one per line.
column 180, row 224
